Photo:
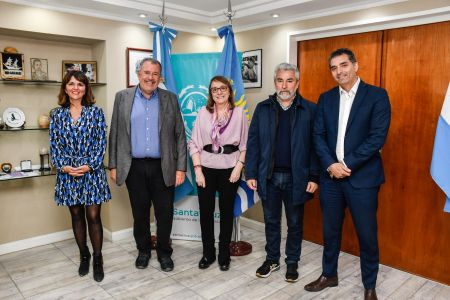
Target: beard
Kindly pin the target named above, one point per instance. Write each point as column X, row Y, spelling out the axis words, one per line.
column 285, row 95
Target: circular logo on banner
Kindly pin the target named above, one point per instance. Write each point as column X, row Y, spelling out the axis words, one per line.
column 192, row 98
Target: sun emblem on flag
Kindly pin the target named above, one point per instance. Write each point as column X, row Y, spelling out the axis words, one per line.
column 192, row 98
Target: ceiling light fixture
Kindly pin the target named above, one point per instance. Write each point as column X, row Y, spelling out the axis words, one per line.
column 275, row 15
column 142, row 15
column 213, row 29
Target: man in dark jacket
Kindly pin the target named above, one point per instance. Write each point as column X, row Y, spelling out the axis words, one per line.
column 282, row 167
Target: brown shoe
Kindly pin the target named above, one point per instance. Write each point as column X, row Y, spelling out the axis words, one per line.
column 370, row 294
column 321, row 283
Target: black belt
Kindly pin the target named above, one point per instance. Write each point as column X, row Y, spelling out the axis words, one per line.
column 225, row 149
column 145, row 158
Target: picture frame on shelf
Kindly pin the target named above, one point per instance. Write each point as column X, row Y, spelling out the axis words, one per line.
column 39, row 69
column 89, row 68
column 26, row 165
column 134, row 56
column 12, row 66
column 252, row 68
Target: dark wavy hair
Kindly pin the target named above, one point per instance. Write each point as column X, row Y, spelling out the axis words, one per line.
column 88, row 97
column 226, row 81
column 342, row 51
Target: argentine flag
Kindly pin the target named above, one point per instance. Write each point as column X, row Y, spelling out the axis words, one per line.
column 230, row 67
column 162, row 43
column 440, row 163
column 245, row 198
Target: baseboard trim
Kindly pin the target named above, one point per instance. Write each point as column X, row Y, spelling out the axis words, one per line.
column 117, row 235
column 35, row 241
column 111, row 236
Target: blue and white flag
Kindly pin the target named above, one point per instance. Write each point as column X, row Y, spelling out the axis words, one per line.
column 162, row 43
column 245, row 198
column 440, row 163
column 230, row 67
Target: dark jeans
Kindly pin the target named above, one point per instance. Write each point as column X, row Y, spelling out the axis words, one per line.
column 217, row 180
column 145, row 184
column 335, row 196
column 279, row 190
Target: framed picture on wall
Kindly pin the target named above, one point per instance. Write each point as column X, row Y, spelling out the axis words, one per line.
column 39, row 69
column 252, row 68
column 12, row 66
column 134, row 56
column 89, row 68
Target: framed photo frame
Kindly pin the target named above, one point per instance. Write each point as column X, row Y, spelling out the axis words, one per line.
column 12, row 66
column 89, row 68
column 39, row 69
column 252, row 68
column 134, row 55
column 26, row 165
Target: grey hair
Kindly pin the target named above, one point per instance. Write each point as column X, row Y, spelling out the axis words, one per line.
column 141, row 62
column 286, row 67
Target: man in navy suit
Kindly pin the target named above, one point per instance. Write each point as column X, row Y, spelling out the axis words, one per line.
column 351, row 125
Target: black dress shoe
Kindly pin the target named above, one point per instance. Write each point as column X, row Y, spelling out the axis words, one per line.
column 85, row 260
column 224, row 266
column 166, row 263
column 97, row 266
column 321, row 283
column 142, row 260
column 204, row 263
column 370, row 294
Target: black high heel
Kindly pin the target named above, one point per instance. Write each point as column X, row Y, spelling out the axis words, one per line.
column 85, row 259
column 98, row 268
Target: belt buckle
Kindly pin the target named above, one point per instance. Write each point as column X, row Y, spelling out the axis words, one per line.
column 221, row 149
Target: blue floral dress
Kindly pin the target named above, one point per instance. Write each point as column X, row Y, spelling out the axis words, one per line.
column 76, row 144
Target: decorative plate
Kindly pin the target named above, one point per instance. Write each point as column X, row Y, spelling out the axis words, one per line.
column 14, row 117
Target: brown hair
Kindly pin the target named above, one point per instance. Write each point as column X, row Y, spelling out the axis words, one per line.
column 226, row 81
column 88, row 97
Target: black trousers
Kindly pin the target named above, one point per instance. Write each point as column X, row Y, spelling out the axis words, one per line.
column 217, row 180
column 145, row 184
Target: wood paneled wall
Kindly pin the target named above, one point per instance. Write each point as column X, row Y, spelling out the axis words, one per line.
column 413, row 65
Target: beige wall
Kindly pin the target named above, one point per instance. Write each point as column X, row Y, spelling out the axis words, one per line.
column 27, row 206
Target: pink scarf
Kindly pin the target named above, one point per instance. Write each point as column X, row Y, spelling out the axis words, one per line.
column 219, row 124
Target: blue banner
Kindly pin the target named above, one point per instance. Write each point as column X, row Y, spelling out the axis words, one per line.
column 192, row 75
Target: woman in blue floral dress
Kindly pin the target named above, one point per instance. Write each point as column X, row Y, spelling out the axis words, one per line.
column 77, row 146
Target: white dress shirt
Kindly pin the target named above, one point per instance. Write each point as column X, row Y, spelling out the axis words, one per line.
column 345, row 105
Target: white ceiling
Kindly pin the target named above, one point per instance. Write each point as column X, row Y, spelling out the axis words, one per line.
column 199, row 16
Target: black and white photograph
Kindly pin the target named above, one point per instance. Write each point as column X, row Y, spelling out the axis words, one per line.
column 89, row 68
column 135, row 55
column 12, row 66
column 39, row 69
column 252, row 68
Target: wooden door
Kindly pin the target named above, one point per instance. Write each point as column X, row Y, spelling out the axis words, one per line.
column 414, row 232
column 413, row 65
column 315, row 78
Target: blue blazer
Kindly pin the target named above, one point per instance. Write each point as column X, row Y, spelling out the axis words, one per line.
column 366, row 132
column 259, row 160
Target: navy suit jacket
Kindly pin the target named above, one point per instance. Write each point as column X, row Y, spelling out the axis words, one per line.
column 365, row 135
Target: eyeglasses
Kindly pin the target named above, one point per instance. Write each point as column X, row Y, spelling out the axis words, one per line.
column 215, row 90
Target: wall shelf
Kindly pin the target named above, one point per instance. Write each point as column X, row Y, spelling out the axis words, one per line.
column 17, row 175
column 39, row 82
column 23, row 128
